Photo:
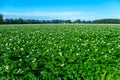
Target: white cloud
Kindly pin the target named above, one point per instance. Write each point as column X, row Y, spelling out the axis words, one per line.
column 42, row 13
column 50, row 15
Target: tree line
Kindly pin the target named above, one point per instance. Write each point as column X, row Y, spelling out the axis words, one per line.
column 56, row 21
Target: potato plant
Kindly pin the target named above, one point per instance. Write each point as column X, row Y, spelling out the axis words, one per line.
column 59, row 52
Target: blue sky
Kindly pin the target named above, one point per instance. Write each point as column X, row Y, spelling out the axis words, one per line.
column 60, row 9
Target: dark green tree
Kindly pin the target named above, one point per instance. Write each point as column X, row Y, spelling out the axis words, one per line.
column 7, row 21
column 1, row 18
column 77, row 21
column 56, row 21
column 107, row 21
column 67, row 21
column 20, row 21
column 83, row 21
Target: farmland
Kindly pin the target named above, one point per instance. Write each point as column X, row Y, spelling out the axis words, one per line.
column 60, row 52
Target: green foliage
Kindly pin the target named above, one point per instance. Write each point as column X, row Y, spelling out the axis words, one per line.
column 20, row 21
column 1, row 18
column 67, row 21
column 57, row 21
column 107, row 21
column 77, row 21
column 59, row 52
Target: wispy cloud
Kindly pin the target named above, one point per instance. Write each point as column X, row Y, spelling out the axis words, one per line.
column 49, row 15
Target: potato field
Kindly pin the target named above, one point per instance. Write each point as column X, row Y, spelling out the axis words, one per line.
column 60, row 52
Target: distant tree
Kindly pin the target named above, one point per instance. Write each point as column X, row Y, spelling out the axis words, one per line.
column 43, row 21
column 67, row 21
column 11, row 21
column 28, row 21
column 83, row 21
column 62, row 21
column 88, row 21
column 36, row 21
column 77, row 21
column 1, row 18
column 7, row 21
column 56, row 21
column 15, row 21
column 107, row 21
column 20, row 21
column 48, row 21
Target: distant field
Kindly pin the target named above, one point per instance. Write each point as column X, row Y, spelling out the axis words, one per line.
column 60, row 52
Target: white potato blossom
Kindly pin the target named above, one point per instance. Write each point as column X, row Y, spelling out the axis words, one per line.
column 49, row 42
column 20, row 71
column 18, row 41
column 14, row 48
column 47, row 50
column 6, row 44
column 112, row 48
column 93, row 59
column 62, row 64
column 34, row 60
column 33, row 50
column 10, row 39
column 77, row 54
column 52, row 55
column 88, row 50
column 22, row 49
column 96, row 50
column 102, row 53
column 20, row 59
column 60, row 53
column 105, row 55
column 119, row 45
column 27, row 56
column 110, row 51
column 8, row 48
column 78, row 48
column 6, row 67
column 108, row 44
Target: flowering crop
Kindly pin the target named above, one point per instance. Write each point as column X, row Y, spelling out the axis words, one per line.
column 60, row 52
